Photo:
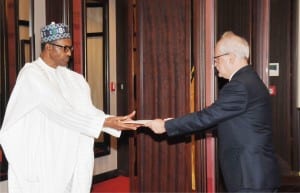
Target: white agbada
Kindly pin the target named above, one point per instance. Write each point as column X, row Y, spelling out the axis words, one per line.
column 48, row 131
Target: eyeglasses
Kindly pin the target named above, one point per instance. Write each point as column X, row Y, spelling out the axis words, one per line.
column 215, row 57
column 66, row 48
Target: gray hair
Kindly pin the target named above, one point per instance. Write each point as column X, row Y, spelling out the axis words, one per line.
column 232, row 43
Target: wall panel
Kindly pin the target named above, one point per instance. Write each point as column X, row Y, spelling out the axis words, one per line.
column 162, row 70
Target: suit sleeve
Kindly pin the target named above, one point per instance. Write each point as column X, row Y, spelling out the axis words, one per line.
column 232, row 102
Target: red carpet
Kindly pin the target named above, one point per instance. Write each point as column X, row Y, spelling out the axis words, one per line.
column 118, row 184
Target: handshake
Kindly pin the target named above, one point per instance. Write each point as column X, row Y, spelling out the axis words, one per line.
column 156, row 125
column 126, row 123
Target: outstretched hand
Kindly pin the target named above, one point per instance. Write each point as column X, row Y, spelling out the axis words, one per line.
column 119, row 122
column 156, row 125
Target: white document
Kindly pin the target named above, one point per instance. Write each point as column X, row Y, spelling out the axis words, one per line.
column 138, row 122
column 111, row 131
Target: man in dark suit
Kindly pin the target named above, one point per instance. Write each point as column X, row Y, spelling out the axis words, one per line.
column 242, row 114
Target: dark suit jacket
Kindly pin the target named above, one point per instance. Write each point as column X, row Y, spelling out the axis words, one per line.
column 242, row 114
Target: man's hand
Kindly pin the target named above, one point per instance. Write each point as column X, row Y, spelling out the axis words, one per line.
column 156, row 125
column 118, row 122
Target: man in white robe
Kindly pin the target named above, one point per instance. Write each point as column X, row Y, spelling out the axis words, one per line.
column 50, row 123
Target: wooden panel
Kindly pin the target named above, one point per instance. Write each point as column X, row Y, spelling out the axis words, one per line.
column 9, row 58
column 162, row 72
column 260, row 37
column 3, row 61
column 280, row 52
column 209, row 92
column 78, row 42
column 12, row 46
column 234, row 15
column 200, row 88
column 54, row 11
column 203, row 51
column 295, row 56
column 122, row 30
column 130, row 40
column 3, row 77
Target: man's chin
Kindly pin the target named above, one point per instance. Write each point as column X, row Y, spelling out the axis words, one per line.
column 64, row 64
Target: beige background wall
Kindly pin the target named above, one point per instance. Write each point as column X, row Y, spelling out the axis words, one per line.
column 109, row 162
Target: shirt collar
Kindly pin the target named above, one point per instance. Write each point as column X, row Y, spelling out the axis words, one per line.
column 233, row 74
column 237, row 71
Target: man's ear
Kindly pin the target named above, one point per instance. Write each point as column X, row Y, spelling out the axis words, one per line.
column 48, row 46
column 232, row 58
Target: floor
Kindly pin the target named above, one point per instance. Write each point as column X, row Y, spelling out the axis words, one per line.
column 121, row 184
column 118, row 184
column 290, row 184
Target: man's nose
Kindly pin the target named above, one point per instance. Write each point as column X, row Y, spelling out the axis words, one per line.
column 69, row 52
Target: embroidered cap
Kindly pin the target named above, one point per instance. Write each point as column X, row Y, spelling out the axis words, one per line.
column 54, row 31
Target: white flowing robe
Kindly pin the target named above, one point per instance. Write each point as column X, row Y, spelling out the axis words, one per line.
column 48, row 131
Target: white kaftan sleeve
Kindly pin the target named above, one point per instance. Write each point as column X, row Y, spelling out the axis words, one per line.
column 111, row 131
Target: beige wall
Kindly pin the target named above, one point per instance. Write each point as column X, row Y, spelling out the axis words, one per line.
column 109, row 162
column 39, row 21
column 3, row 187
